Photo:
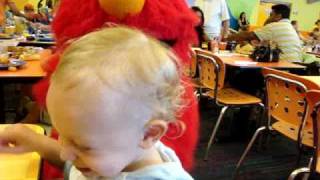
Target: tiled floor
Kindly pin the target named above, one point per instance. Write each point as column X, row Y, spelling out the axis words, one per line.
column 273, row 163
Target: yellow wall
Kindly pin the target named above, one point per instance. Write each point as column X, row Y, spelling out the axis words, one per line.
column 305, row 14
column 21, row 3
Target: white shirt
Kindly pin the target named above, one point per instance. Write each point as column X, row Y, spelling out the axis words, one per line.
column 170, row 169
column 215, row 11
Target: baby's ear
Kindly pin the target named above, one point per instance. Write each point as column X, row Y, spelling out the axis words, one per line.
column 154, row 130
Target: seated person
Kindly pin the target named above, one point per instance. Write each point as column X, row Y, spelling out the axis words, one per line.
column 243, row 22
column 278, row 30
column 315, row 34
column 110, row 111
column 30, row 13
column 12, row 7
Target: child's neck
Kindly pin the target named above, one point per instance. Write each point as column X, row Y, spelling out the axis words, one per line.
column 150, row 157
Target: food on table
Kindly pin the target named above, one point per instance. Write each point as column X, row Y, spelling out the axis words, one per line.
column 12, row 68
column 29, row 57
column 4, row 59
column 24, row 53
column 5, row 36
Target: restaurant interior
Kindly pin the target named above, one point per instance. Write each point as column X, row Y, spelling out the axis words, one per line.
column 244, row 74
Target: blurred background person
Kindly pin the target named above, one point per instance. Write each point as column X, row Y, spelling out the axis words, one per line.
column 243, row 22
column 202, row 37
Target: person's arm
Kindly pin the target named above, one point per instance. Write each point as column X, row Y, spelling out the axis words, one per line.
column 20, row 139
column 225, row 28
column 242, row 36
column 225, row 17
column 14, row 8
column 240, row 23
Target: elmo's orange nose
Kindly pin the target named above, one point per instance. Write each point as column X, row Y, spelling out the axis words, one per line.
column 122, row 8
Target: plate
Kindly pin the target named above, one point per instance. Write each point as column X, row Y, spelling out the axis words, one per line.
column 5, row 36
column 13, row 63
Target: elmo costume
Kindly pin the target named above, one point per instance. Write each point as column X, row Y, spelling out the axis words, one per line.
column 170, row 21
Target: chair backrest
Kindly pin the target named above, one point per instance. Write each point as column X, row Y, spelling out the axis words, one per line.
column 208, row 72
column 313, row 100
column 286, row 97
column 217, row 61
column 193, row 64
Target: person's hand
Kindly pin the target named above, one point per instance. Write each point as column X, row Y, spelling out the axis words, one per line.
column 17, row 138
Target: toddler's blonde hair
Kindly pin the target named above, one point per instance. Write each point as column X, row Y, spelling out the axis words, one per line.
column 126, row 61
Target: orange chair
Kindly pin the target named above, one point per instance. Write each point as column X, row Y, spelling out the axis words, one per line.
column 313, row 101
column 212, row 73
column 287, row 108
column 193, row 70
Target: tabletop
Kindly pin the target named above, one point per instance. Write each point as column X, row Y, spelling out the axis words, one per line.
column 315, row 79
column 32, row 69
column 315, row 53
column 243, row 61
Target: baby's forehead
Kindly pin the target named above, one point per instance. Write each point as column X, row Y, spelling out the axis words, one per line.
column 101, row 100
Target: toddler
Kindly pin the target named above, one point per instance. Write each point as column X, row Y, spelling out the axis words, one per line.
column 110, row 110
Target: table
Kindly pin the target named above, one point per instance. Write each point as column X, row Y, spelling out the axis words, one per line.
column 243, row 61
column 21, row 166
column 314, row 53
column 31, row 71
column 315, row 79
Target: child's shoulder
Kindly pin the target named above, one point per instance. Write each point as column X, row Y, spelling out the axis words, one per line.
column 170, row 169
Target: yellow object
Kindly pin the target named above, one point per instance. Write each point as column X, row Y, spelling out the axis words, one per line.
column 122, row 8
column 10, row 30
column 30, row 57
column 246, row 49
column 11, row 68
column 4, row 59
column 23, row 166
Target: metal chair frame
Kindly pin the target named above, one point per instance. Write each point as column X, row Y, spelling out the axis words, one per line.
column 225, row 107
column 268, row 127
column 314, row 160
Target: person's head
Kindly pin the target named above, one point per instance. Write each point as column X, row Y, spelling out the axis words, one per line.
column 111, row 99
column 294, row 23
column 29, row 11
column 279, row 11
column 199, row 13
column 317, row 23
column 28, row 8
column 242, row 15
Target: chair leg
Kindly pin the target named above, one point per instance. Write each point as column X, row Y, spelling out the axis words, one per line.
column 261, row 119
column 215, row 129
column 256, row 134
column 296, row 172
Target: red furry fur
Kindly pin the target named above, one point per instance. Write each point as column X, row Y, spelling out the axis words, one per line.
column 163, row 19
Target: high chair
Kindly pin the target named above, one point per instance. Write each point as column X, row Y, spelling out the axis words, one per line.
column 313, row 101
column 21, row 166
column 287, row 109
column 212, row 73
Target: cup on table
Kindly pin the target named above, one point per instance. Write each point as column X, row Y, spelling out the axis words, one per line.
column 214, row 45
column 222, row 46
